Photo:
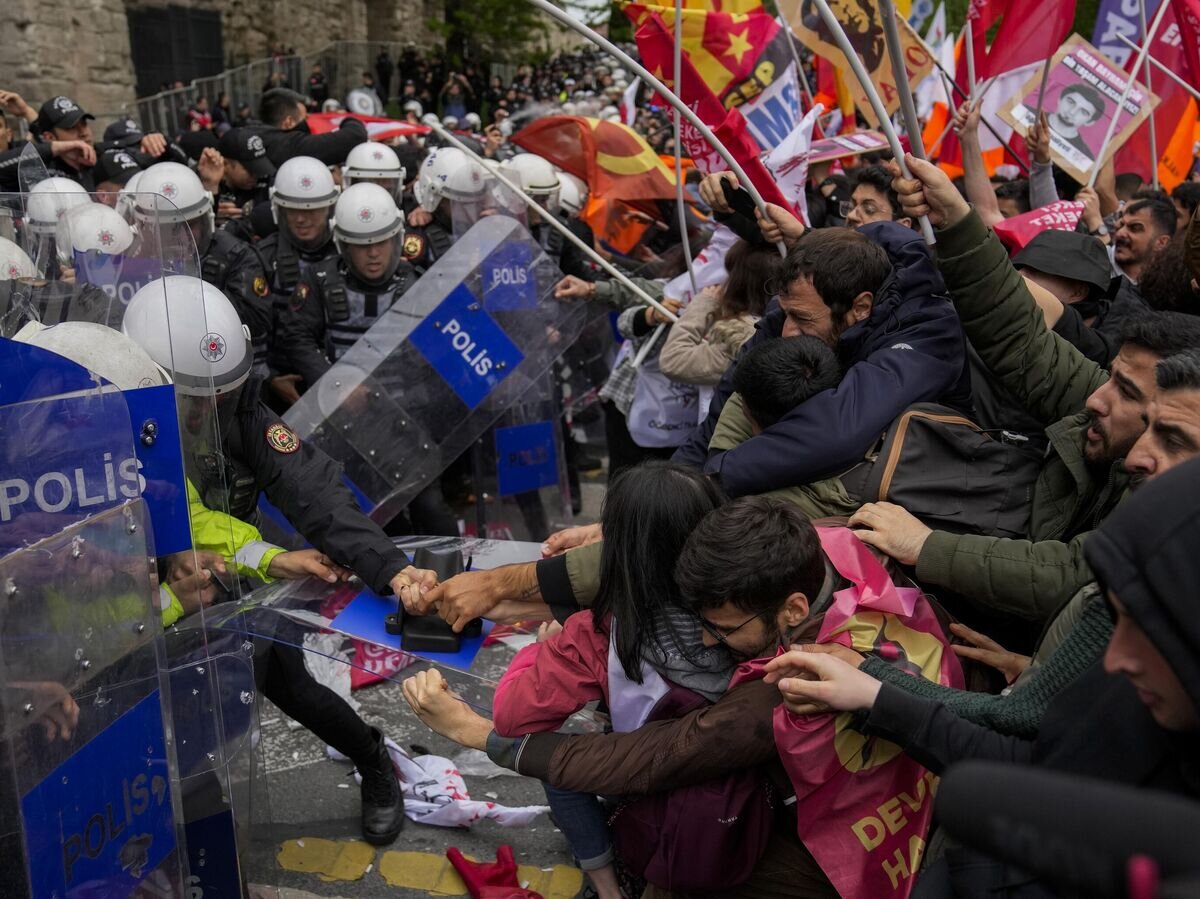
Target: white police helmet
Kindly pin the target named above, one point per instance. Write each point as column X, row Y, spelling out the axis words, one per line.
column 191, row 330
column 449, row 173
column 15, row 262
column 376, row 163
column 473, row 122
column 101, row 350
column 92, row 228
column 414, row 106
column 170, row 193
column 536, row 176
column 303, row 183
column 572, row 193
column 368, row 228
column 49, row 200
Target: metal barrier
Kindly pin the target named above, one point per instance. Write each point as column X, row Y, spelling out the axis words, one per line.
column 342, row 62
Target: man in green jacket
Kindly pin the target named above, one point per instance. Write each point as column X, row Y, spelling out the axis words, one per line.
column 1092, row 419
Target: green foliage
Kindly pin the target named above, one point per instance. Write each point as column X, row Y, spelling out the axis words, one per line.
column 1085, row 15
column 620, row 29
column 489, row 29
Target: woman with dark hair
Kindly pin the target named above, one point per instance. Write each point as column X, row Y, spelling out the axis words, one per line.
column 638, row 621
column 713, row 327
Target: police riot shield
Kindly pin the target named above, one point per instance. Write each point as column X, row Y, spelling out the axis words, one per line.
column 472, row 341
column 90, row 801
column 110, row 254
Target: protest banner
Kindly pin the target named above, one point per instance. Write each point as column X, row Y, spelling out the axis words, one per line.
column 1083, row 90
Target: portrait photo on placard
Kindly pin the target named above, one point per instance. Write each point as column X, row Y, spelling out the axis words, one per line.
column 1082, row 95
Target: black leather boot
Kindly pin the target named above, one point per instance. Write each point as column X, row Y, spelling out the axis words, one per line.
column 382, row 798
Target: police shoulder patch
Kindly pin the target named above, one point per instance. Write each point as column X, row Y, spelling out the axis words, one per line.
column 296, row 303
column 414, row 246
column 260, row 286
column 282, row 439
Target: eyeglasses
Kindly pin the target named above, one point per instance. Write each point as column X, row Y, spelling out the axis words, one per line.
column 848, row 206
column 721, row 634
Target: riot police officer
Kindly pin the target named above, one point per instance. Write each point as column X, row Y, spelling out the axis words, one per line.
column 331, row 310
column 452, row 191
column 302, row 201
column 172, row 193
column 191, row 329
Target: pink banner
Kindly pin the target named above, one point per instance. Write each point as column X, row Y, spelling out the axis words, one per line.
column 863, row 806
column 1020, row 229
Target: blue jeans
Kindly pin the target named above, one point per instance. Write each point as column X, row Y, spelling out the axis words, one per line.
column 584, row 821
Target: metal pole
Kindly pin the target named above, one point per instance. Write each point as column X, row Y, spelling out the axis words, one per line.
column 629, row 62
column 1165, row 70
column 986, row 124
column 1141, row 60
column 1146, row 70
column 1037, row 116
column 552, row 220
column 834, row 27
column 805, row 87
column 969, row 49
column 908, row 108
column 680, row 208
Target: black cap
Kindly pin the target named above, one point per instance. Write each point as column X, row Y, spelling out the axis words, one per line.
column 123, row 131
column 117, row 166
column 1067, row 254
column 194, row 143
column 245, row 145
column 60, row 112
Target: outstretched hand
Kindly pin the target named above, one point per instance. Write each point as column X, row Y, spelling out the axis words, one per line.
column 928, row 192
column 816, row 682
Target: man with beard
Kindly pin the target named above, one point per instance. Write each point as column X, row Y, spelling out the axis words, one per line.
column 1172, row 418
column 1146, row 226
column 1092, row 418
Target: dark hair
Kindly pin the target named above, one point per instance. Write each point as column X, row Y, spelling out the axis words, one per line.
column 751, row 268
column 1090, row 94
column 277, row 104
column 1017, row 190
column 841, row 263
column 776, row 376
column 1179, row 372
column 1162, row 213
column 1152, row 193
column 754, row 552
column 648, row 513
column 1127, row 184
column 1187, row 195
column 1163, row 333
column 878, row 177
column 1166, row 281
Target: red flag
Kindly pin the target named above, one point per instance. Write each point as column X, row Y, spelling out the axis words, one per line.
column 1176, row 48
column 657, row 46
column 1031, row 31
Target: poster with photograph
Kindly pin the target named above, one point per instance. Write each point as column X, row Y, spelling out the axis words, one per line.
column 860, row 19
column 1083, row 89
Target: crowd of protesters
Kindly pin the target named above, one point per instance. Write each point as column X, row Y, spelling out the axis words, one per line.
column 978, row 462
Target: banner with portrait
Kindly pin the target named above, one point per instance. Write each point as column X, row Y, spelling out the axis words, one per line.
column 863, row 24
column 1083, row 91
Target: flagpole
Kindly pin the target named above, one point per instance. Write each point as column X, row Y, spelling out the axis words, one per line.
column 1146, row 69
column 1165, row 70
column 969, row 49
column 805, row 87
column 987, row 85
column 681, row 209
column 1037, row 116
column 629, row 62
column 986, row 124
column 1147, row 39
column 835, row 28
column 908, row 108
column 552, row 220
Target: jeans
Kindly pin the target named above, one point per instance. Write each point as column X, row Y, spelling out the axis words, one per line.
column 584, row 821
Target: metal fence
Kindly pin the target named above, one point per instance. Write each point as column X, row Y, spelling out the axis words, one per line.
column 343, row 63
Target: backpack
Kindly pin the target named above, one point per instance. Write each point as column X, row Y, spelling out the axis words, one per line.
column 950, row 473
column 664, row 412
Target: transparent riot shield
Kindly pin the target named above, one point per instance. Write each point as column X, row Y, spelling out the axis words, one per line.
column 174, row 421
column 90, row 788
column 467, row 343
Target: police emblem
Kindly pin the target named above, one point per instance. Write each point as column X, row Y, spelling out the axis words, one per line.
column 306, row 183
column 212, row 347
column 282, row 439
column 169, row 190
column 105, row 238
column 414, row 246
column 260, row 286
column 366, row 214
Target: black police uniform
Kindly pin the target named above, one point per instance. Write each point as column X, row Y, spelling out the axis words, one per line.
column 286, row 263
column 260, row 454
column 331, row 148
column 235, row 268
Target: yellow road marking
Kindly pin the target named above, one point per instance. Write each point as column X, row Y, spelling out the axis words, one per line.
column 348, row 860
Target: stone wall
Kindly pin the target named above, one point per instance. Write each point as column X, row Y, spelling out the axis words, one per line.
column 80, row 49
